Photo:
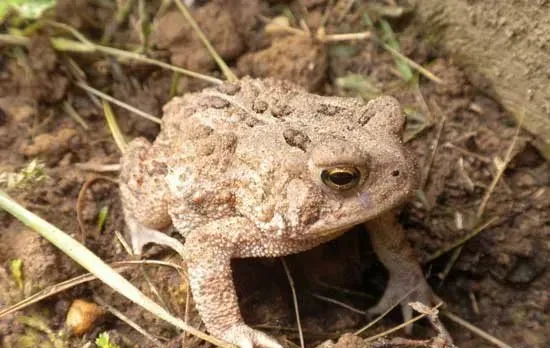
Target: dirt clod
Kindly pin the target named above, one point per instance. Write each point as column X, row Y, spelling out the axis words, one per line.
column 52, row 146
column 294, row 58
column 172, row 32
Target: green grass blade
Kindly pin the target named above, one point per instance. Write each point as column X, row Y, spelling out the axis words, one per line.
column 96, row 266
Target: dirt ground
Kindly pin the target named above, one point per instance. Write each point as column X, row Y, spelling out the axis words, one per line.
column 500, row 281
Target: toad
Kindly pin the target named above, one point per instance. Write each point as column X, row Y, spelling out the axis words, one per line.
column 262, row 168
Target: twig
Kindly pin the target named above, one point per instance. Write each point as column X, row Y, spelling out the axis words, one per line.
column 500, row 170
column 128, row 321
column 125, row 245
column 144, row 59
column 72, row 112
column 120, row 266
column 115, row 101
column 326, row 13
column 71, row 30
column 449, row 265
column 339, row 303
column 14, row 39
column 378, row 318
column 461, row 241
column 142, row 23
column 304, row 16
column 295, row 300
column 477, row 156
column 113, row 127
column 428, row 74
column 358, row 36
column 187, row 312
column 118, row 18
column 398, row 327
column 345, row 37
column 475, row 330
column 80, row 202
column 501, row 167
column 443, row 338
column 344, row 290
column 153, row 288
column 84, row 42
column 435, row 146
column 320, row 35
column 98, row 167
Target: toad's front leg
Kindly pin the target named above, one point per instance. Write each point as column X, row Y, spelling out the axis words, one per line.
column 208, row 252
column 390, row 244
column 144, row 196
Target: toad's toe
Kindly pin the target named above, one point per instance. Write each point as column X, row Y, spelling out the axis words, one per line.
column 403, row 289
column 141, row 235
column 246, row 337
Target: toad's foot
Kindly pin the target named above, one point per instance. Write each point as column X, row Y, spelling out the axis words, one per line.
column 404, row 288
column 407, row 283
column 141, row 235
column 244, row 336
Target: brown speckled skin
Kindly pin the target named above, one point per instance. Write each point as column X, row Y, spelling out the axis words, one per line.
column 236, row 170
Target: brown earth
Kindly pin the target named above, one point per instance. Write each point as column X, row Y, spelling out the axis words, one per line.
column 503, row 46
column 499, row 282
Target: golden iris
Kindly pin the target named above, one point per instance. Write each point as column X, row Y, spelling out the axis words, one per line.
column 341, row 178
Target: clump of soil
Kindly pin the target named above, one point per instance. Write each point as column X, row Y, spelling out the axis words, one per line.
column 227, row 27
column 459, row 136
column 295, row 58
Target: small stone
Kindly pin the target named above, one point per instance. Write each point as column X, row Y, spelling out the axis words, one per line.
column 82, row 316
column 525, row 272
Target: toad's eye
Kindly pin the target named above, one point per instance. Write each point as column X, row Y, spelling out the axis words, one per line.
column 341, row 178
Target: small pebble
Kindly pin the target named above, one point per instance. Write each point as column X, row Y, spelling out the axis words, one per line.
column 82, row 316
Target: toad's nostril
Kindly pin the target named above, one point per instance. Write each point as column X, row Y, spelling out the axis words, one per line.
column 395, row 173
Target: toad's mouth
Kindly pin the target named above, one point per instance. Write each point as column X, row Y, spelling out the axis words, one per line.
column 338, row 228
column 363, row 211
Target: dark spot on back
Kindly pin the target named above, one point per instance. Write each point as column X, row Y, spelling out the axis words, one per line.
column 217, row 102
column 159, row 168
column 228, row 141
column 196, row 131
column 280, row 110
column 260, row 106
column 366, row 116
column 251, row 121
column 328, row 110
column 229, row 88
column 3, row 117
column 296, row 138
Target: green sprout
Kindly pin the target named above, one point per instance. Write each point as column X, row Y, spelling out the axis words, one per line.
column 28, row 9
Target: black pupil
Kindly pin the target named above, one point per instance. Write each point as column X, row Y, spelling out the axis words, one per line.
column 342, row 178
